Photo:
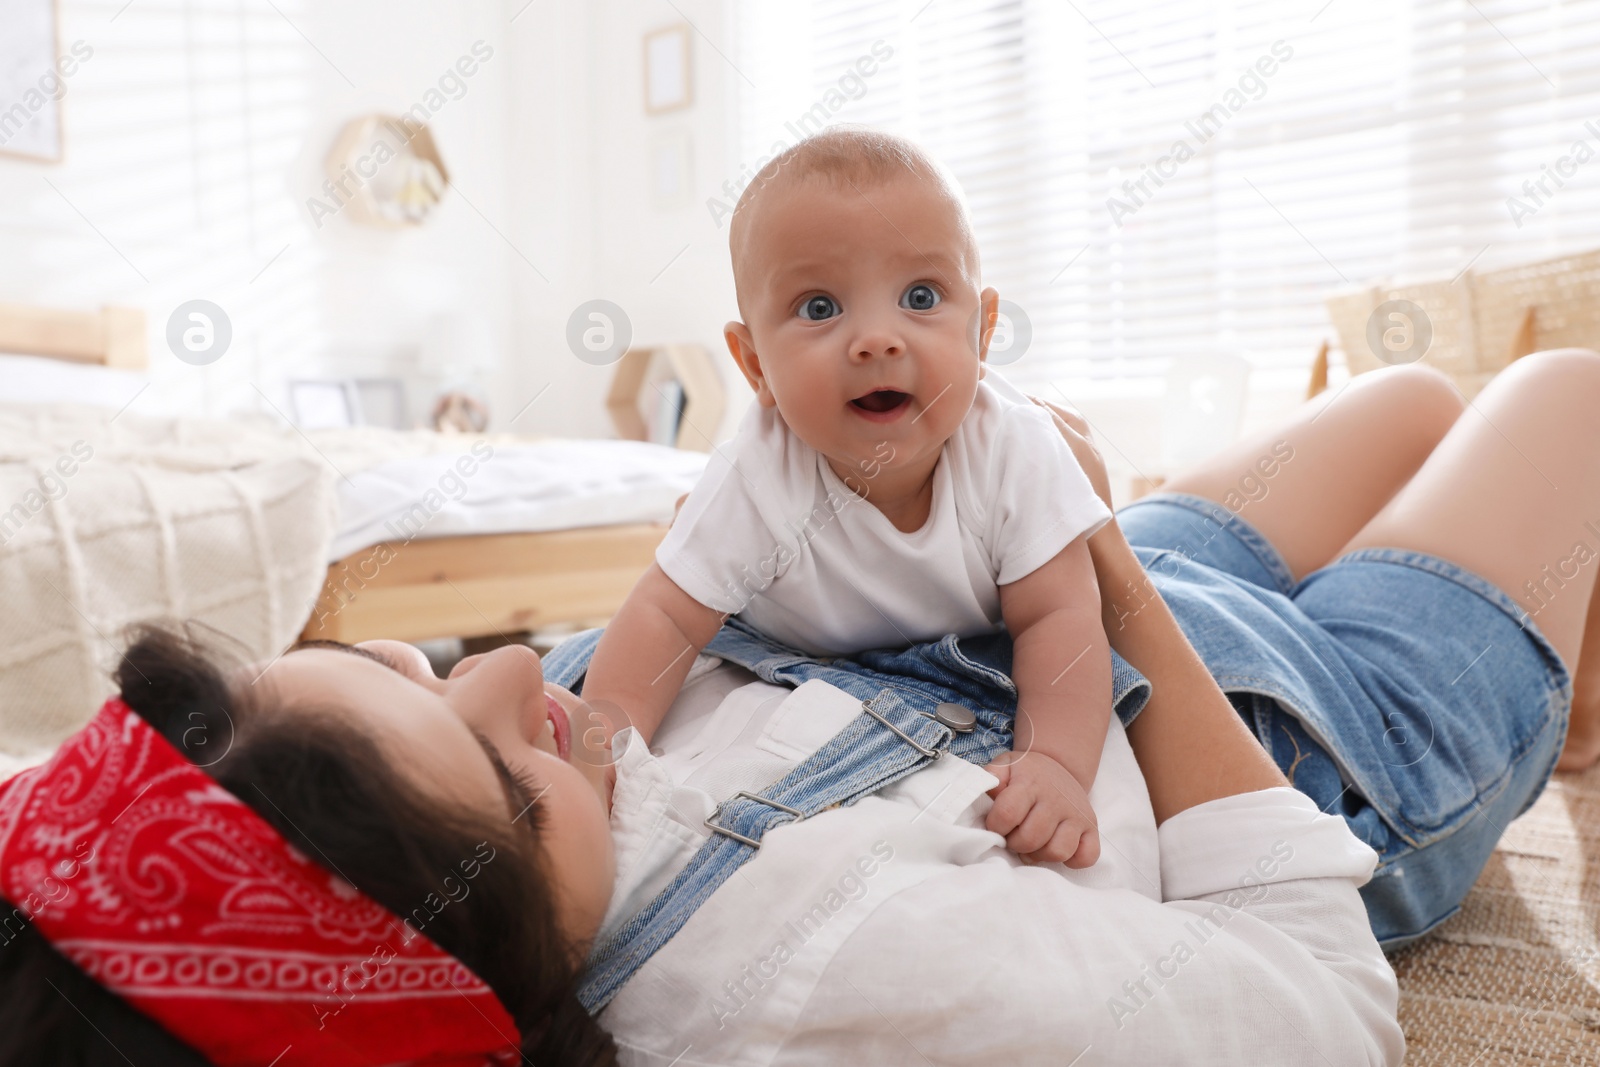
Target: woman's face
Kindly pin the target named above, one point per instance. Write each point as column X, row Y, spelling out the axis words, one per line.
column 493, row 736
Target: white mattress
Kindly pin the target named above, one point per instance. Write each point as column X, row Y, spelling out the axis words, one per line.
column 550, row 485
column 384, row 477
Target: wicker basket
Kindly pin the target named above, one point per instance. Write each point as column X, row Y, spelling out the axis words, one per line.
column 1481, row 321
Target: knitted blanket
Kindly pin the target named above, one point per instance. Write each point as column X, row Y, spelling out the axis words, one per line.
column 108, row 520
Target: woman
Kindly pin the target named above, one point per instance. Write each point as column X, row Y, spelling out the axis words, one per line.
column 160, row 879
column 1050, row 961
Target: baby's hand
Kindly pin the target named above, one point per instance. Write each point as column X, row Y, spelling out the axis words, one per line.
column 1042, row 811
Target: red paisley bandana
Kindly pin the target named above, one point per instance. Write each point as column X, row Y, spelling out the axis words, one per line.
column 168, row 891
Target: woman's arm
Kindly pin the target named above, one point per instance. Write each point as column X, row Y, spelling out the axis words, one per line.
column 1262, row 953
column 1188, row 740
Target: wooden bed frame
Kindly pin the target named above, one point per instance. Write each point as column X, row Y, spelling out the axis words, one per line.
column 492, row 585
column 489, row 585
column 497, row 585
column 110, row 337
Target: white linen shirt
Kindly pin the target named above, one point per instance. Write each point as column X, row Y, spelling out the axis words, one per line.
column 772, row 534
column 899, row 931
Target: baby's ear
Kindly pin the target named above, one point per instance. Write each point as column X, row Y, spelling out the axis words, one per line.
column 988, row 319
column 743, row 349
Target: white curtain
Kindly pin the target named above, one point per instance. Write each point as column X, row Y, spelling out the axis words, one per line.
column 1154, row 180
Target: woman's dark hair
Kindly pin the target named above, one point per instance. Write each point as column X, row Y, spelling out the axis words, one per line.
column 328, row 790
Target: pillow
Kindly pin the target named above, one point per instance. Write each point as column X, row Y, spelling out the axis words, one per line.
column 35, row 380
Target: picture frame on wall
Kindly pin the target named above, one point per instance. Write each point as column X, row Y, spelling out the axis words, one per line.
column 671, row 177
column 32, row 81
column 668, row 80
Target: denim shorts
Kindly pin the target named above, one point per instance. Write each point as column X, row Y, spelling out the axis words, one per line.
column 1394, row 688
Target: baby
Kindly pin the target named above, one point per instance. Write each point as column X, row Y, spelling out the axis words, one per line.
column 884, row 489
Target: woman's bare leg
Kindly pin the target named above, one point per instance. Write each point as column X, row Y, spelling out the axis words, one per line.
column 1351, row 451
column 1583, row 734
column 1512, row 494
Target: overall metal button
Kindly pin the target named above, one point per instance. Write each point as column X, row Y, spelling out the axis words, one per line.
column 955, row 717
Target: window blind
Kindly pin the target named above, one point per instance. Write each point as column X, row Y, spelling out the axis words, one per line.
column 1164, row 179
column 183, row 121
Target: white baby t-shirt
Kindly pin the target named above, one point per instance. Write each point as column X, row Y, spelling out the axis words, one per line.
column 771, row 533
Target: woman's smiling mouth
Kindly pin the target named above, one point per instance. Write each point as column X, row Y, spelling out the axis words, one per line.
column 560, row 727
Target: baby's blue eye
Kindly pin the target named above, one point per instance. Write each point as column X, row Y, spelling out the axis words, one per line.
column 817, row 308
column 920, row 298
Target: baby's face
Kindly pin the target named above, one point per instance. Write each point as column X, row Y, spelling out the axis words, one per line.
column 863, row 310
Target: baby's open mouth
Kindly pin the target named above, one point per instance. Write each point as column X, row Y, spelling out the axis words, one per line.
column 882, row 401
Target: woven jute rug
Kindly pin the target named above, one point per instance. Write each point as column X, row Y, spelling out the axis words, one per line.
column 1514, row 977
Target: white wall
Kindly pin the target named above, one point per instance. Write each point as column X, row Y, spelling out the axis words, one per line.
column 581, row 158
column 195, row 134
column 582, row 148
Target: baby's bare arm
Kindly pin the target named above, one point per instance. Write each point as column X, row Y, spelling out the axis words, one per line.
column 1061, row 662
column 647, row 650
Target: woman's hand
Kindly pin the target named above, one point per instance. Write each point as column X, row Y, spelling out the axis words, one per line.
column 1075, row 429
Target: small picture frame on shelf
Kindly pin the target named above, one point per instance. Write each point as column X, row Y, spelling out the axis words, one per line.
column 382, row 402
column 668, row 81
column 333, row 403
column 323, row 405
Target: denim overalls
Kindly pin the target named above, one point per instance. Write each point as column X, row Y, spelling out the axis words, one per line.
column 1394, row 688
column 896, row 734
column 974, row 672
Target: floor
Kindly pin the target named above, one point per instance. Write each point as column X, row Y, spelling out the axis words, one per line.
column 1514, row 978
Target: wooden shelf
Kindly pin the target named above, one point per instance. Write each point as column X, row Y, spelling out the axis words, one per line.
column 704, row 397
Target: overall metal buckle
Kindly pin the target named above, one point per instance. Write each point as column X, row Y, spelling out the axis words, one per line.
column 922, row 750
column 711, row 820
